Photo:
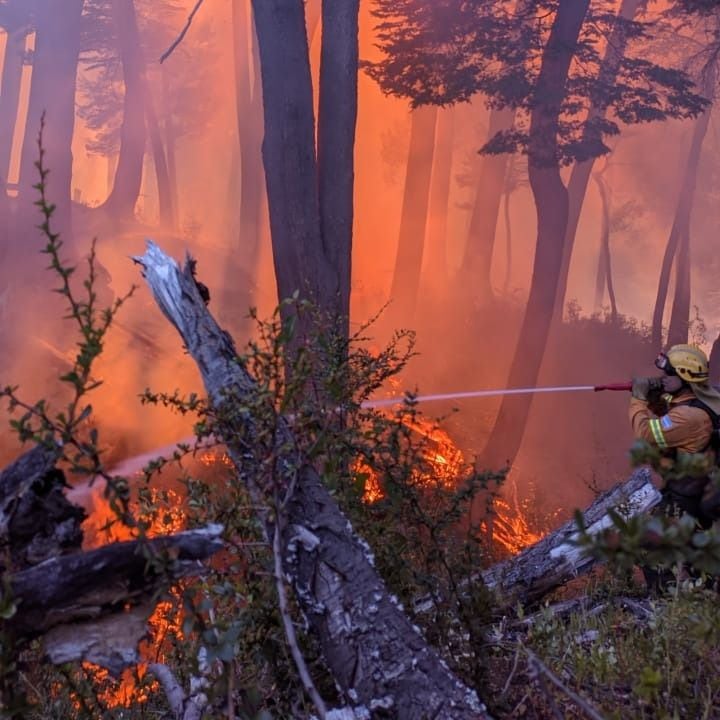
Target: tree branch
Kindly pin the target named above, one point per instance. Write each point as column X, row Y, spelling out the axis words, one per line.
column 182, row 34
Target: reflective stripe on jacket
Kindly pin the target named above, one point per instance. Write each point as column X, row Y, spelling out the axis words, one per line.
column 683, row 427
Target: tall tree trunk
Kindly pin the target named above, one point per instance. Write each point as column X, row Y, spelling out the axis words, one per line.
column 664, row 279
column 551, row 203
column 715, row 362
column 248, row 98
column 680, row 314
column 52, row 92
column 436, row 256
column 413, row 221
column 128, row 173
column 508, row 240
column 167, row 211
column 289, row 153
column 477, row 258
column 601, row 272
column 581, row 172
column 337, row 116
column 604, row 272
column 170, row 144
column 368, row 644
column 10, row 97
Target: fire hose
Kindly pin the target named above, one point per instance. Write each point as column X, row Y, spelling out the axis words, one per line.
column 386, row 402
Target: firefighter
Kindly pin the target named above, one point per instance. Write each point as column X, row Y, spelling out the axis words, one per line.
column 678, row 413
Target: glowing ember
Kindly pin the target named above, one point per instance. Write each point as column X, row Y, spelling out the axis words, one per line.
column 510, row 528
column 440, row 453
column 130, row 689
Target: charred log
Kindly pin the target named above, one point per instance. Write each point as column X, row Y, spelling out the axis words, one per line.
column 37, row 521
column 373, row 651
column 89, row 585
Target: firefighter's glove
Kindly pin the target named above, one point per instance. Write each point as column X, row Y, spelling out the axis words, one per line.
column 642, row 387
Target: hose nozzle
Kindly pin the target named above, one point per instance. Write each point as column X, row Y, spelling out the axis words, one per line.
column 626, row 386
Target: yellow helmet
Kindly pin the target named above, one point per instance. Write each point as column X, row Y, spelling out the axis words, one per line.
column 689, row 362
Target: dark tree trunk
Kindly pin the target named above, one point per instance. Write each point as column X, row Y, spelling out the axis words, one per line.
column 551, row 202
column 680, row 314
column 162, row 176
column 581, row 172
column 477, row 259
column 52, row 92
column 170, row 145
column 369, row 646
column 413, row 221
column 604, row 272
column 289, row 153
column 128, row 172
column 439, row 198
column 248, row 97
column 337, row 116
column 664, row 281
column 715, row 362
column 10, row 97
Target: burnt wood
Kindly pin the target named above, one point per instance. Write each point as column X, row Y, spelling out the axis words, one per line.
column 88, row 585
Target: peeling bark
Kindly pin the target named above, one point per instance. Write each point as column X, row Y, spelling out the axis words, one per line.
column 371, row 648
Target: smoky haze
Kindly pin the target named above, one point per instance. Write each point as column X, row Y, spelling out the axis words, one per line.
column 171, row 151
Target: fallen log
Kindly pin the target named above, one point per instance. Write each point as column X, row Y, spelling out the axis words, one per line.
column 557, row 559
column 377, row 657
column 89, row 585
column 37, row 521
column 85, row 605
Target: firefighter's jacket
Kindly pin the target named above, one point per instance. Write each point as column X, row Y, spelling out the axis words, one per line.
column 683, row 428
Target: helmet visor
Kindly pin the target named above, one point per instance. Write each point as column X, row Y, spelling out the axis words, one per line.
column 663, row 363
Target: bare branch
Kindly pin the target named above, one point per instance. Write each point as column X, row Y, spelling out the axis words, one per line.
column 540, row 668
column 297, row 655
column 182, row 34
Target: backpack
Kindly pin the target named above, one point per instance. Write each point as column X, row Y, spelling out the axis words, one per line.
column 714, row 442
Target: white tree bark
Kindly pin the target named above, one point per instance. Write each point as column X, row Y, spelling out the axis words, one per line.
column 377, row 657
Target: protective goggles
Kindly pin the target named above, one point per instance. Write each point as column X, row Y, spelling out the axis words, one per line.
column 663, row 363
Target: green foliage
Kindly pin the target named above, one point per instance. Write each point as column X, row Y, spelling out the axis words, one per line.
column 416, row 526
column 447, row 52
column 659, row 539
column 616, row 654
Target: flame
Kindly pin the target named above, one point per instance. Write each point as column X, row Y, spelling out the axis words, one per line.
column 509, row 525
column 442, row 455
column 131, row 689
column 510, row 528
